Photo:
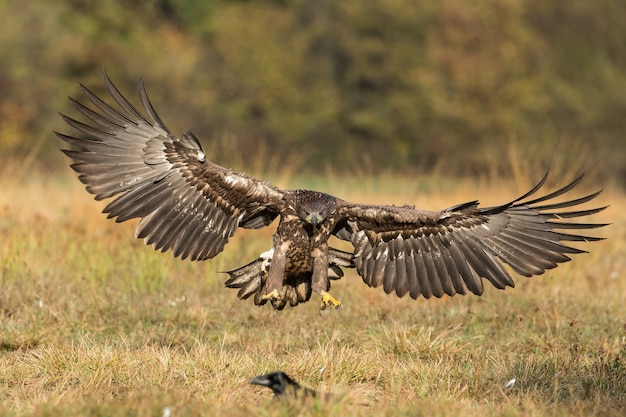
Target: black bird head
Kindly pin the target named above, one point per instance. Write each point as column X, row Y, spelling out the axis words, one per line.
column 283, row 386
column 279, row 382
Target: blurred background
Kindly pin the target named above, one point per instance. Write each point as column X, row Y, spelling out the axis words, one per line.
column 449, row 87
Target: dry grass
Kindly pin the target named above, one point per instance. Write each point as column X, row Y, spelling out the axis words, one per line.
column 94, row 323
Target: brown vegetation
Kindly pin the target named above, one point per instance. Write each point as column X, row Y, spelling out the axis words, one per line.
column 94, row 322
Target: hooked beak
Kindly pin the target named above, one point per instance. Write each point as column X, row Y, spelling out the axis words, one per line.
column 314, row 219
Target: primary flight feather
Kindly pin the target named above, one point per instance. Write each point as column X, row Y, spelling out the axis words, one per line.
column 191, row 206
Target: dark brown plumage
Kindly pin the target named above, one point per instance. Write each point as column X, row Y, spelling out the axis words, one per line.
column 192, row 206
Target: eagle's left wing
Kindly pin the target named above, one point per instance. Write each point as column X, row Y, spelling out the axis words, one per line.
column 185, row 202
column 446, row 252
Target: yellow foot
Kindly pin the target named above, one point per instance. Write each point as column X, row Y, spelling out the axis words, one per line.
column 271, row 296
column 328, row 300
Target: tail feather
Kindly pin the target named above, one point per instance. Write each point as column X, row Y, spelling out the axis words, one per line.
column 248, row 278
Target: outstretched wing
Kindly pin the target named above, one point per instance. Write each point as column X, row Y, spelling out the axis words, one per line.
column 185, row 202
column 447, row 252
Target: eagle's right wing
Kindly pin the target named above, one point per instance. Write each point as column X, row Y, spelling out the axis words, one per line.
column 185, row 202
column 433, row 253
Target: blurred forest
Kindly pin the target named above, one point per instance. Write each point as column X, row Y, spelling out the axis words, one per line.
column 455, row 87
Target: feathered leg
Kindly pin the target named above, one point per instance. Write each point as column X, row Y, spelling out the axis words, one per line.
column 320, row 284
column 274, row 283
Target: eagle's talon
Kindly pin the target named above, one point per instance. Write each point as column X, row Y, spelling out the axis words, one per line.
column 328, row 300
column 273, row 295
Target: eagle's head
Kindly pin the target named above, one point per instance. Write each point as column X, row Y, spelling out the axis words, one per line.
column 313, row 207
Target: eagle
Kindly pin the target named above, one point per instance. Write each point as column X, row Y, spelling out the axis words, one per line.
column 191, row 206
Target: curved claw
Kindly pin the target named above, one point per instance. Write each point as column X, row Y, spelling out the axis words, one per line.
column 271, row 296
column 328, row 300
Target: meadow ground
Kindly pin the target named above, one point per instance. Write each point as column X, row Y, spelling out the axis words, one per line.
column 92, row 322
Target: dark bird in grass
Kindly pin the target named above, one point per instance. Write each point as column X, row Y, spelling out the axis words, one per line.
column 285, row 387
column 192, row 206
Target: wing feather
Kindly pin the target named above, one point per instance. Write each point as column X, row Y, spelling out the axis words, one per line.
column 423, row 276
column 184, row 202
column 389, row 274
column 401, row 266
column 411, row 273
column 450, row 251
column 451, row 268
column 378, row 270
column 432, row 275
column 446, row 275
column 471, row 280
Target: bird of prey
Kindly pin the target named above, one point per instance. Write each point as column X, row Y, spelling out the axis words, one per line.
column 192, row 206
column 284, row 387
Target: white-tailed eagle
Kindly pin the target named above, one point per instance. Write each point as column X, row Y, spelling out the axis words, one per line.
column 191, row 206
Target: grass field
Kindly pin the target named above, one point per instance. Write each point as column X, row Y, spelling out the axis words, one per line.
column 92, row 322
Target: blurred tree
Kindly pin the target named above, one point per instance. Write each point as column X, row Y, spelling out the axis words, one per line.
column 449, row 85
